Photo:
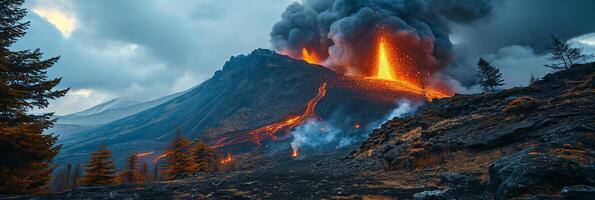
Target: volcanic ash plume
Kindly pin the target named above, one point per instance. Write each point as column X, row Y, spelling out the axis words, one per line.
column 355, row 37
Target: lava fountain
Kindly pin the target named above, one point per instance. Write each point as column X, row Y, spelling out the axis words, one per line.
column 309, row 56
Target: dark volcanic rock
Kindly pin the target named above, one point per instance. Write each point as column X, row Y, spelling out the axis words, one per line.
column 578, row 192
column 555, row 117
column 534, row 171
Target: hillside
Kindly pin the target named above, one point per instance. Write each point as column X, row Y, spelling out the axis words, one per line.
column 517, row 143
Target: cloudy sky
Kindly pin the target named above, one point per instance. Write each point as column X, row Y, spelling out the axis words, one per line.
column 144, row 49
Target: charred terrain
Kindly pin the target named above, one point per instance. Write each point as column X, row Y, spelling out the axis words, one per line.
column 533, row 142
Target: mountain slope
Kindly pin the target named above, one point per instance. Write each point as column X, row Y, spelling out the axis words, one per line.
column 249, row 92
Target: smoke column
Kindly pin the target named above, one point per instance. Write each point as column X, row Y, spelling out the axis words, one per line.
column 342, row 33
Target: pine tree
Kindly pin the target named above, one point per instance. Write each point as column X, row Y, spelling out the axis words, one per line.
column 532, row 79
column 202, row 156
column 25, row 152
column 489, row 76
column 130, row 173
column 76, row 175
column 101, row 169
column 143, row 173
column 563, row 55
column 179, row 161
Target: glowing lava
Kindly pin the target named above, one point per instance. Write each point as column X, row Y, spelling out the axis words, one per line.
column 295, row 153
column 270, row 130
column 228, row 159
column 309, row 57
column 390, row 61
column 384, row 68
column 159, row 157
column 256, row 136
column 143, row 154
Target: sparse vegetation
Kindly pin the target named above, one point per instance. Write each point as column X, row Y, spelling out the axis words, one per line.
column 101, row 169
column 490, row 77
column 563, row 56
column 180, row 163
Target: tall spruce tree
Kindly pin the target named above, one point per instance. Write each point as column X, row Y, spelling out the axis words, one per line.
column 202, row 156
column 179, row 163
column 25, row 152
column 101, row 169
column 130, row 174
column 489, row 76
column 563, row 56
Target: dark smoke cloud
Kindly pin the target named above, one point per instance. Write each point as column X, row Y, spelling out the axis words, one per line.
column 340, row 30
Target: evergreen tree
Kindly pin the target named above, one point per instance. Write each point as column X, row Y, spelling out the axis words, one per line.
column 76, row 175
column 143, row 173
column 489, row 76
column 25, row 152
column 179, row 161
column 101, row 169
column 563, row 55
column 202, row 156
column 532, row 79
column 130, row 173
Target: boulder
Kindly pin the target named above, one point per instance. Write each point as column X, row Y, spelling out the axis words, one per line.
column 430, row 195
column 578, row 192
column 533, row 171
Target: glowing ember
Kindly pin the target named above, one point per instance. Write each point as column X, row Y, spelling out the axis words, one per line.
column 309, row 57
column 143, row 154
column 295, row 153
column 160, row 156
column 227, row 160
column 357, row 125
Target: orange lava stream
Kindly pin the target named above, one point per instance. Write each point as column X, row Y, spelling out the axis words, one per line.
column 143, row 154
column 288, row 124
column 228, row 159
column 159, row 157
column 309, row 57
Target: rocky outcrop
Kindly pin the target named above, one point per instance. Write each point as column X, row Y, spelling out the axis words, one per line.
column 522, row 141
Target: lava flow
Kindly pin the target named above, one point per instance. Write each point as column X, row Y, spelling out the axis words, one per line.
column 228, row 159
column 287, row 125
column 256, row 136
column 294, row 153
column 159, row 157
column 310, row 57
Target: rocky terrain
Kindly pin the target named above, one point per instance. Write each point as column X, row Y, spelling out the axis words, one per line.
column 533, row 142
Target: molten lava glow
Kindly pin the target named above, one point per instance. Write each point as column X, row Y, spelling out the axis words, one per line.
column 228, row 159
column 143, row 154
column 159, row 157
column 309, row 57
column 392, row 61
column 295, row 153
column 270, row 130
column 357, row 125
column 384, row 66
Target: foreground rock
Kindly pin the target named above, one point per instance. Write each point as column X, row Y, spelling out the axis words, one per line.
column 526, row 141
